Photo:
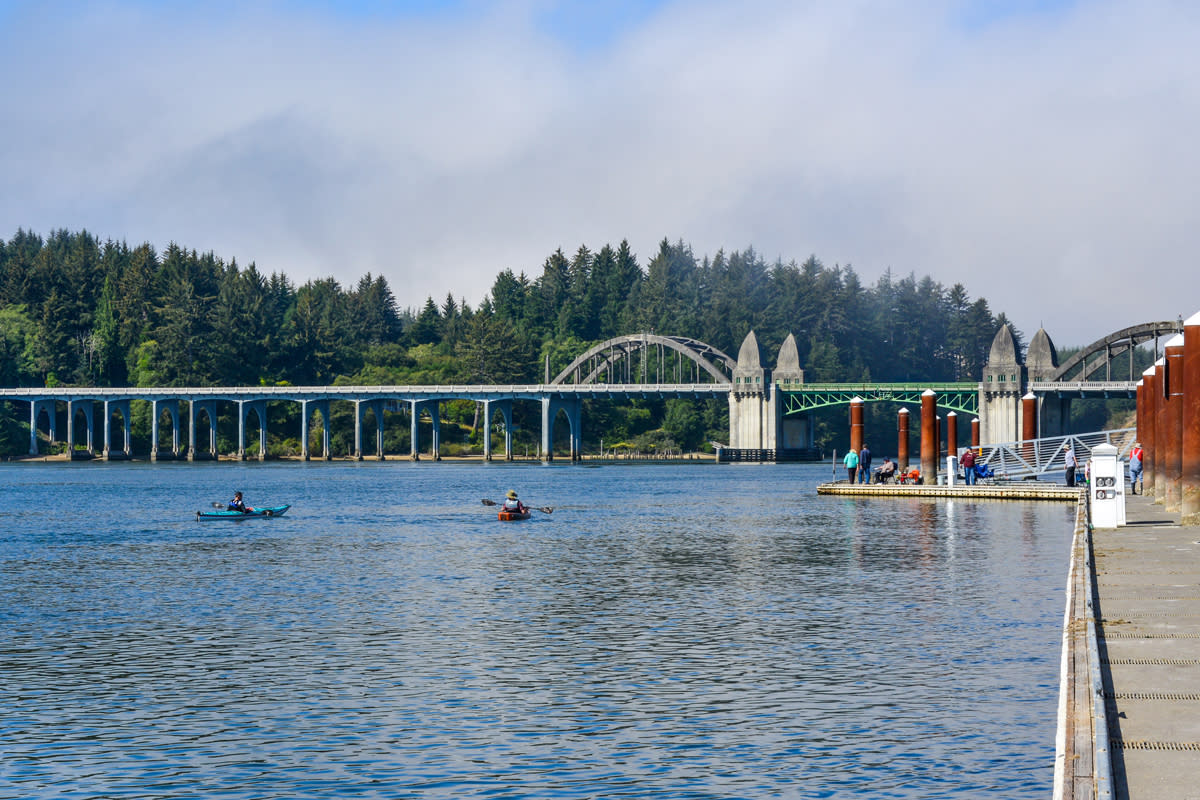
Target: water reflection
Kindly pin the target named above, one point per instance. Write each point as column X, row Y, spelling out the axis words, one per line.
column 763, row 643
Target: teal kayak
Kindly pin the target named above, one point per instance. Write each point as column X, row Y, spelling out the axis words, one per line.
column 259, row 511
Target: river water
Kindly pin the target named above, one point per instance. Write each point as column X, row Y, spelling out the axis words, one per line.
column 669, row 631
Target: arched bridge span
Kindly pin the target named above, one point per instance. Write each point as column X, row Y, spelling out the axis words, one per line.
column 1084, row 364
column 613, row 362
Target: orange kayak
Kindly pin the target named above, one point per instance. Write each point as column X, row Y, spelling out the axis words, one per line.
column 511, row 516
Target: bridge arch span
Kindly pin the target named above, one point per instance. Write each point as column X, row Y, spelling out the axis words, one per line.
column 1082, row 364
column 609, row 357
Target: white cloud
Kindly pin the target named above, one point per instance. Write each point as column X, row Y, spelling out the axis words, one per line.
column 1044, row 160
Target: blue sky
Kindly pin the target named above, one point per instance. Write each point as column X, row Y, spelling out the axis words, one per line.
column 1039, row 152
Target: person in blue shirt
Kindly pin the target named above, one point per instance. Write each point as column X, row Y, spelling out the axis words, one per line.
column 864, row 464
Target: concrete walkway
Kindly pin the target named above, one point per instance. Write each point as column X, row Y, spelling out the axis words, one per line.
column 1147, row 584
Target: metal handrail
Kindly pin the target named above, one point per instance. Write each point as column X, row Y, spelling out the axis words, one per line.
column 1036, row 457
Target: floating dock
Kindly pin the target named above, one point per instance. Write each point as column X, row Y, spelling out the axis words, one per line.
column 1130, row 722
column 1010, row 490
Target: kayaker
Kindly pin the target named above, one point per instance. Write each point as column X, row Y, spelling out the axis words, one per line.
column 511, row 503
column 236, row 504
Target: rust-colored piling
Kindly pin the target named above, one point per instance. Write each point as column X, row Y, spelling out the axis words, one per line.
column 952, row 434
column 929, row 438
column 1149, row 418
column 902, row 440
column 1173, row 452
column 975, row 434
column 1028, row 424
column 856, row 423
column 1190, row 454
column 1139, row 425
column 1160, row 431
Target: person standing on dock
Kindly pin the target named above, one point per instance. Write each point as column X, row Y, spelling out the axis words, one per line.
column 967, row 462
column 1135, row 467
column 1071, row 463
column 851, row 462
column 864, row 464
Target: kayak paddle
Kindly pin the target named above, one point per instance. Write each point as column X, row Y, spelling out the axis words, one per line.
column 543, row 509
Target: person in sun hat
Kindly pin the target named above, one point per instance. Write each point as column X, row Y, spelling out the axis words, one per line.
column 511, row 503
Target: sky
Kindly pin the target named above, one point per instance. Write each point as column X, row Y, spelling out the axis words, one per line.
column 1043, row 154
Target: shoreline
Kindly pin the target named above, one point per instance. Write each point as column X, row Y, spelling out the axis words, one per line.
column 423, row 457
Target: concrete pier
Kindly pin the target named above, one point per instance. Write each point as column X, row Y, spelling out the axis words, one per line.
column 1145, row 709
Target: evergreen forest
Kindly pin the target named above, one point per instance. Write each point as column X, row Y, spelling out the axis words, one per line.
column 78, row 311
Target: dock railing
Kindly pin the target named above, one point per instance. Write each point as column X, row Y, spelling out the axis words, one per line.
column 1037, row 457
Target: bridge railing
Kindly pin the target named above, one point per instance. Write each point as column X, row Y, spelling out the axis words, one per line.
column 1085, row 388
column 1036, row 457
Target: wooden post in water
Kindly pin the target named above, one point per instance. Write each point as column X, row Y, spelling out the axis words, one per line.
column 1190, row 453
column 902, row 440
column 952, row 434
column 929, row 437
column 1028, row 424
column 1139, row 424
column 975, row 433
column 1173, row 452
column 856, row 423
column 1147, row 436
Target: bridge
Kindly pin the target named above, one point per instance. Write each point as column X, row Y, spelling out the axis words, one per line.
column 770, row 410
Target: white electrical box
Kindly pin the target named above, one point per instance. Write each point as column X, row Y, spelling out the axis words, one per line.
column 1106, row 493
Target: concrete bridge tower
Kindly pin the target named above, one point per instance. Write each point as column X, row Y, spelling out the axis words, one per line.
column 751, row 410
column 792, row 432
column 1004, row 381
column 1041, row 364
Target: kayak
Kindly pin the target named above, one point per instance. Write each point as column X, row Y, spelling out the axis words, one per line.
column 259, row 511
column 512, row 516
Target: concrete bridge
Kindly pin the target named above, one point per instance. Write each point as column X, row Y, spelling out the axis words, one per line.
column 770, row 410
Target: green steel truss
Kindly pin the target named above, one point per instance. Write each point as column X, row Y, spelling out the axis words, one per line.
column 797, row 398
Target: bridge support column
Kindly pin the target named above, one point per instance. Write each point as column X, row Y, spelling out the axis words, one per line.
column 123, row 407
column 156, row 408
column 414, row 421
column 36, row 407
column 209, row 408
column 435, row 429
column 1173, row 371
column 378, row 406
column 417, row 407
column 304, row 430
column 505, row 408
column 574, row 410
column 358, row 429
column 929, row 447
column 487, row 430
column 259, row 407
column 1054, row 416
column 89, row 420
column 361, row 407
column 1190, row 450
column 902, row 440
column 306, row 409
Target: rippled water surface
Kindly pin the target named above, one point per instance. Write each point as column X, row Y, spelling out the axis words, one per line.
column 685, row 631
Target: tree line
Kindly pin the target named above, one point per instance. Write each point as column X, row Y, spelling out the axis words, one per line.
column 75, row 310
